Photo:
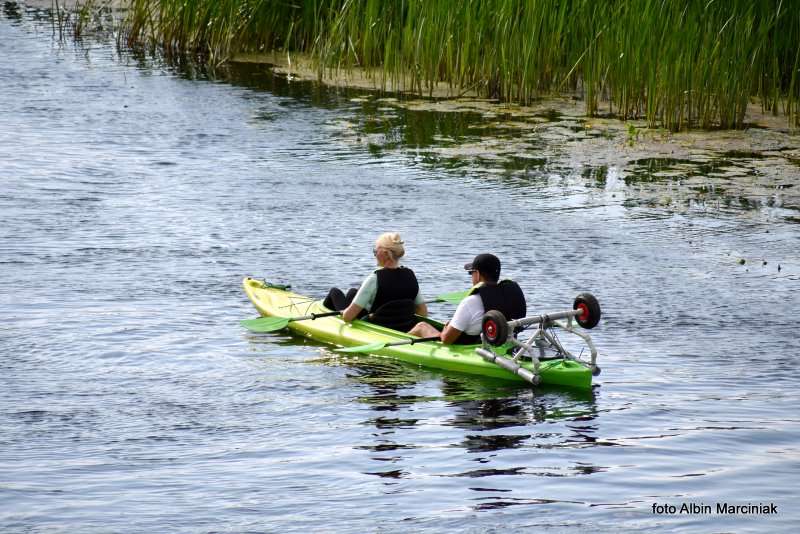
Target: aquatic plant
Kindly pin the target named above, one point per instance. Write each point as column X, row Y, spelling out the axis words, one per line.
column 676, row 63
column 75, row 19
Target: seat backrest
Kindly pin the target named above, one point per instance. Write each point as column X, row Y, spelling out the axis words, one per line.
column 395, row 314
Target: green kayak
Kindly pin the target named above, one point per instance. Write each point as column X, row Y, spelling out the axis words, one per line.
column 302, row 315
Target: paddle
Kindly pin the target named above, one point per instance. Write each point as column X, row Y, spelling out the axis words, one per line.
column 272, row 324
column 372, row 347
column 453, row 297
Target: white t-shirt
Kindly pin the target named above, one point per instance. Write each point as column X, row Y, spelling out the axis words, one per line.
column 468, row 316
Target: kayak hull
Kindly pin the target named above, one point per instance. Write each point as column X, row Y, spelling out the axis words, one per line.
column 272, row 301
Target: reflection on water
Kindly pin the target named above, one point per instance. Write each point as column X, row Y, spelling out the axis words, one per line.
column 529, row 147
column 12, row 11
column 489, row 417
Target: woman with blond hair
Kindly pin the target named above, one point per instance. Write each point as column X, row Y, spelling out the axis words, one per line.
column 389, row 296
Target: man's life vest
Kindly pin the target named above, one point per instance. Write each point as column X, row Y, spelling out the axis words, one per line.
column 505, row 296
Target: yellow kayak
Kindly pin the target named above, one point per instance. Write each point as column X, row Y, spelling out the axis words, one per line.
column 273, row 300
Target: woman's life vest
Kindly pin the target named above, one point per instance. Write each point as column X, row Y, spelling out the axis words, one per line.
column 505, row 296
column 394, row 306
column 395, row 284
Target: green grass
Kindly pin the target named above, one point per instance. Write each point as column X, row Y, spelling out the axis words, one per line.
column 679, row 64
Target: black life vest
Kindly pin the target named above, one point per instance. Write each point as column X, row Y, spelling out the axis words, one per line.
column 395, row 284
column 394, row 306
column 506, row 296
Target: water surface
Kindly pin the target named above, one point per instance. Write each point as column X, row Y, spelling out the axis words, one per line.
column 136, row 196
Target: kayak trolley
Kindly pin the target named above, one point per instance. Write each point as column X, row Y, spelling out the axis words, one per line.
column 498, row 331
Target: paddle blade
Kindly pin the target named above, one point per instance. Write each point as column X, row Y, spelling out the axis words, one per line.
column 453, row 297
column 372, row 347
column 265, row 324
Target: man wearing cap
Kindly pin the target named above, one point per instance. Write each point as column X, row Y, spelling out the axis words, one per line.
column 486, row 294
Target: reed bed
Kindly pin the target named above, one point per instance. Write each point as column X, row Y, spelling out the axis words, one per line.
column 677, row 63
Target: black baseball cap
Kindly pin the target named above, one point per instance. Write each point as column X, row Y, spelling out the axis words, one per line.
column 486, row 264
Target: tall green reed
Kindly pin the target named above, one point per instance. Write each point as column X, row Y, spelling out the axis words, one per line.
column 678, row 64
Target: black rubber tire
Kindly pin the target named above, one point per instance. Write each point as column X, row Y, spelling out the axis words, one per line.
column 494, row 327
column 587, row 303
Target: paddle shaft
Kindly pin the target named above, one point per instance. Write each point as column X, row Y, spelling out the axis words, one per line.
column 413, row 341
column 273, row 324
column 314, row 316
column 372, row 347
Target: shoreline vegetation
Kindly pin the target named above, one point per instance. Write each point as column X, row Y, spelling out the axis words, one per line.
column 757, row 164
column 677, row 65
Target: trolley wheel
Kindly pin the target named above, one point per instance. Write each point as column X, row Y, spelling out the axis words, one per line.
column 495, row 327
column 590, row 310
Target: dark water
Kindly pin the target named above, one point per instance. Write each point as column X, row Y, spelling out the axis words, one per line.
column 134, row 198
